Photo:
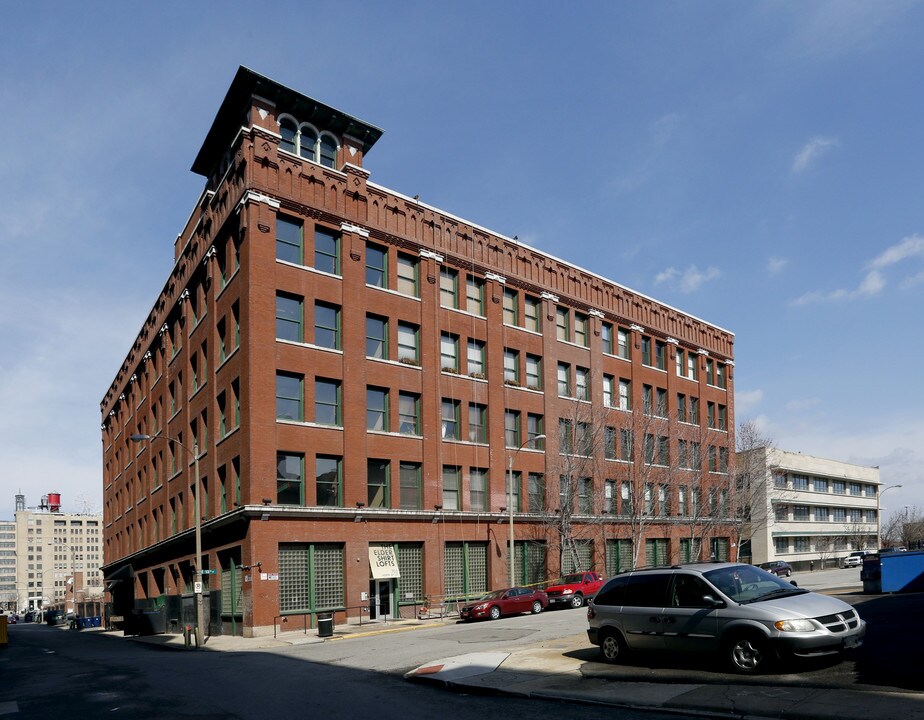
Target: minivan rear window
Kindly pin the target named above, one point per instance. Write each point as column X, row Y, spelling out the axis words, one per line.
column 613, row 592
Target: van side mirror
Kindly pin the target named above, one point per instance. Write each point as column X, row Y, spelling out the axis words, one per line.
column 793, row 582
column 711, row 602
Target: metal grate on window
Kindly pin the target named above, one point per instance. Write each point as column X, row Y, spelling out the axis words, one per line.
column 328, row 576
column 656, row 551
column 232, row 591
column 531, row 569
column 585, row 554
column 619, row 555
column 294, row 593
column 410, row 565
column 454, row 569
column 477, row 567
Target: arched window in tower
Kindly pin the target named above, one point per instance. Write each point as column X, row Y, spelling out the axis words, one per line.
column 288, row 131
column 328, row 151
column 308, row 141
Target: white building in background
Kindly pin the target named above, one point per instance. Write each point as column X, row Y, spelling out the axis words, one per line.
column 52, row 549
column 8, row 596
column 810, row 509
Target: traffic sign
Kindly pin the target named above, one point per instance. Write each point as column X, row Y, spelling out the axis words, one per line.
column 209, row 572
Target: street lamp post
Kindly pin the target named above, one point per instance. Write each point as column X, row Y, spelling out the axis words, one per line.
column 197, row 510
column 510, row 499
column 879, row 514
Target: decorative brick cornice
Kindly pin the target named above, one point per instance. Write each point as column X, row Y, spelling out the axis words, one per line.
column 494, row 276
column 430, row 255
column 355, row 229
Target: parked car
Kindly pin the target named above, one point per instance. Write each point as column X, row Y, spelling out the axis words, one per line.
column 574, row 589
column 855, row 559
column 777, row 567
column 746, row 614
column 505, row 602
column 12, row 618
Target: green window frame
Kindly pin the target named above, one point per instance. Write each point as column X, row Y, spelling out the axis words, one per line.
column 512, row 428
column 289, row 240
column 290, row 394
column 478, row 489
column 376, row 337
column 452, row 483
column 408, row 413
column 327, row 402
column 449, row 416
column 290, row 478
column 328, row 472
column 311, row 577
column 511, row 313
column 327, row 251
column 474, row 295
column 449, row 352
column 377, row 409
column 289, row 311
column 409, row 481
column 327, row 325
column 376, row 266
column 562, row 329
column 407, row 275
column 477, row 423
column 449, row 288
column 532, row 317
column 606, row 337
column 408, row 343
column 378, row 476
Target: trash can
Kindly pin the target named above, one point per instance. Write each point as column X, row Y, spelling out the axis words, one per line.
column 325, row 625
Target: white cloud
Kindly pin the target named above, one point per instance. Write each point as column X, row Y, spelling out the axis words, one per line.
column 814, row 149
column 912, row 246
column 747, row 401
column 775, row 265
column 688, row 280
column 912, row 281
column 802, row 404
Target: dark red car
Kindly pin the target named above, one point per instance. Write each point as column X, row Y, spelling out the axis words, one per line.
column 505, row 602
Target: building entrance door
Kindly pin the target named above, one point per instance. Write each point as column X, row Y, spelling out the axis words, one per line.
column 379, row 599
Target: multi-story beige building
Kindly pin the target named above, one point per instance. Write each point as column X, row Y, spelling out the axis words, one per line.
column 8, row 595
column 810, row 510
column 51, row 549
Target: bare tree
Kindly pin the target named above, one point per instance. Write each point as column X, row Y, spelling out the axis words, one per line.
column 905, row 528
column 750, row 509
column 824, row 546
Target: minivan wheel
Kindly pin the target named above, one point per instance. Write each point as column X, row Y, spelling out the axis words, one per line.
column 495, row 612
column 577, row 600
column 748, row 654
column 537, row 607
column 612, row 646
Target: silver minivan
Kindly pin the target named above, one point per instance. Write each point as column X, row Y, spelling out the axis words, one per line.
column 747, row 614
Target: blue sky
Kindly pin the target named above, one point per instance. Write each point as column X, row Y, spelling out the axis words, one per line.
column 758, row 165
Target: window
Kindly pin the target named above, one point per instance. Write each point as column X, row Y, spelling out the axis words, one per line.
column 290, row 478
column 409, row 413
column 477, row 423
column 531, row 316
column 681, row 407
column 710, row 371
column 407, row 343
column 694, row 410
column 515, row 491
column 307, row 143
column 686, row 364
column 450, row 419
column 534, row 428
column 327, row 481
column 855, row 489
column 606, row 336
column 328, row 151
column 710, row 414
column 449, row 352
column 647, row 399
column 475, row 357
column 585, row 495
column 625, row 394
column 821, row 514
column 377, row 472
column 288, row 131
column 800, row 512
column 288, row 240
column 565, row 436
column 622, row 348
column 660, row 355
column 511, row 367
column 646, row 350
column 720, row 374
column 376, row 337
column 564, row 380
column 609, row 443
column 840, row 514
column 449, row 288
column 609, row 497
column 410, row 486
column 565, row 494
column 781, row 545
column 289, row 396
column 533, row 372
column 407, row 275
column 288, row 318
column 581, row 335
column 839, row 487
column 327, row 326
column 562, row 331
column 820, row 485
column 609, row 384
column 376, row 266
column 584, row 439
column 327, row 402
column 512, row 428
column 510, row 307
column 581, row 388
column 451, row 480
column 377, row 409
column 799, row 482
column 723, row 417
column 478, row 485
column 536, row 492
column 474, row 295
column 311, row 577
column 661, row 402
column 327, row 251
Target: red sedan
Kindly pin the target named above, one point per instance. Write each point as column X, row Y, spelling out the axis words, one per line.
column 505, row 602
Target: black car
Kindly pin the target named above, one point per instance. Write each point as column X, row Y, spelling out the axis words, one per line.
column 777, row 567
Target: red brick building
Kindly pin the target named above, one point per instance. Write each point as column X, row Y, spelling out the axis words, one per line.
column 358, row 371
